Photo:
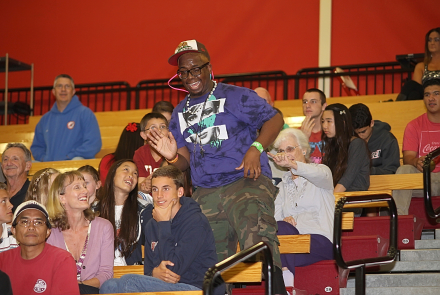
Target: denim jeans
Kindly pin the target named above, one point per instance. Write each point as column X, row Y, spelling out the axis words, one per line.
column 130, row 283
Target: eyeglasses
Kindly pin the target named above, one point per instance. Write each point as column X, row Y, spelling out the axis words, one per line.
column 194, row 72
column 35, row 222
column 161, row 128
column 436, row 39
column 289, row 149
column 61, row 86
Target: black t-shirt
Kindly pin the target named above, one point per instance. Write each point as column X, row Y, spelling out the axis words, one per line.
column 19, row 197
column 5, row 284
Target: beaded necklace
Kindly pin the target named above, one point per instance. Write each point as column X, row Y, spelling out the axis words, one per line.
column 197, row 132
column 79, row 263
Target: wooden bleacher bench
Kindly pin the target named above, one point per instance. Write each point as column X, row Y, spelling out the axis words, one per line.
column 63, row 166
column 251, row 272
column 396, row 182
column 119, row 271
column 109, row 118
column 386, row 184
column 397, row 114
column 112, row 123
column 347, row 100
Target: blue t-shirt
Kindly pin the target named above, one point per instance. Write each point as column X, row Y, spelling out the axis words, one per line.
column 218, row 133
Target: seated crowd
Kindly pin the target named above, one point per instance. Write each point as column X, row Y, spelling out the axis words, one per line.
column 190, row 183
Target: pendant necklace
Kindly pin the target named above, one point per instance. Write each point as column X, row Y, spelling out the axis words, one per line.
column 197, row 132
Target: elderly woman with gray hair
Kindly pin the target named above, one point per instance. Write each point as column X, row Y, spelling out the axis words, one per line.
column 305, row 203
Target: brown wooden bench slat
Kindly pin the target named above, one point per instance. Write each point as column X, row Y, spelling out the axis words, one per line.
column 396, row 182
column 294, row 244
column 119, row 271
column 366, row 99
column 63, row 166
column 242, row 272
column 347, row 220
column 107, row 118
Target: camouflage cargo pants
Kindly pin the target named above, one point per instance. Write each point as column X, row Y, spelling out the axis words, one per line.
column 242, row 211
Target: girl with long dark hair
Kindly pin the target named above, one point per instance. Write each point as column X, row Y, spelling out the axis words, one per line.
column 345, row 154
column 129, row 142
column 119, row 205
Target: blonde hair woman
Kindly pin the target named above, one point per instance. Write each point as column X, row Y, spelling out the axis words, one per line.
column 76, row 229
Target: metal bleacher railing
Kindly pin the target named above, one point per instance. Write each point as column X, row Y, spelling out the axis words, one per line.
column 361, row 264
column 377, row 78
column 372, row 78
column 213, row 275
column 428, row 166
column 109, row 96
column 148, row 92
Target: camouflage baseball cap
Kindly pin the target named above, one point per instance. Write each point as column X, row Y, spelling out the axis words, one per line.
column 186, row 47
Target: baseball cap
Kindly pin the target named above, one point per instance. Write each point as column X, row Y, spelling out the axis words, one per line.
column 31, row 205
column 186, row 47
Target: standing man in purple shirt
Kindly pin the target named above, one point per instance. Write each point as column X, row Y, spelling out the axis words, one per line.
column 214, row 132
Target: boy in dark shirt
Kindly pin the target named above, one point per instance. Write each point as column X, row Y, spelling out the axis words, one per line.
column 383, row 146
column 179, row 244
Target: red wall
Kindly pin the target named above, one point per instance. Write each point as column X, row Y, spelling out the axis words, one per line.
column 100, row 40
column 378, row 30
column 112, row 40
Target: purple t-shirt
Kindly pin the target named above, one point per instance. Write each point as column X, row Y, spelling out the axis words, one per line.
column 219, row 133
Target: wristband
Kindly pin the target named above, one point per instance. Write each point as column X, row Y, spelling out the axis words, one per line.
column 258, row 146
column 173, row 160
